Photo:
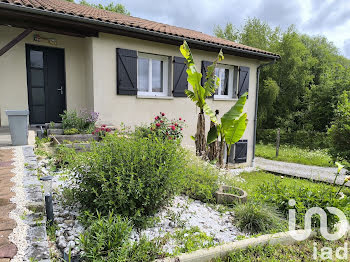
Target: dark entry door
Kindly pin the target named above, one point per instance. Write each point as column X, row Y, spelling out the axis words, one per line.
column 46, row 84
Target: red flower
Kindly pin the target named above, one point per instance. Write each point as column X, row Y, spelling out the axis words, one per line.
column 93, row 132
column 108, row 130
column 175, row 124
column 156, row 118
column 103, row 126
column 158, row 125
column 180, row 118
column 163, row 114
column 173, row 127
column 161, row 121
column 181, row 128
column 169, row 137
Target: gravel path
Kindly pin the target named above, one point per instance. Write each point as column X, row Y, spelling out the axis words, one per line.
column 324, row 174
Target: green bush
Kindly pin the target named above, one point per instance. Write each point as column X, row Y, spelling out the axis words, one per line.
column 305, row 197
column 107, row 239
column 339, row 132
column 255, row 218
column 132, row 176
column 200, row 180
column 71, row 131
column 84, row 122
column 301, row 138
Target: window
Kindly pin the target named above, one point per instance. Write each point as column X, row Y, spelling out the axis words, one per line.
column 227, row 88
column 152, row 75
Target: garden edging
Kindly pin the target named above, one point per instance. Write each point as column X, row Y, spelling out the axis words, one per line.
column 207, row 254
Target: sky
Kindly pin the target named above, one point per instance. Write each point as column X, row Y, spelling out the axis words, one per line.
column 330, row 18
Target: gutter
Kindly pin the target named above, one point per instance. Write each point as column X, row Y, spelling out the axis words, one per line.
column 130, row 28
column 256, row 104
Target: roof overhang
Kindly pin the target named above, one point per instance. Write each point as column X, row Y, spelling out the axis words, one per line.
column 61, row 23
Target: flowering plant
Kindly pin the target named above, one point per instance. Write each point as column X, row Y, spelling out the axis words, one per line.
column 168, row 129
column 101, row 131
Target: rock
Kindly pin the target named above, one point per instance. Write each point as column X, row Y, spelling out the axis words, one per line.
column 61, row 242
column 71, row 244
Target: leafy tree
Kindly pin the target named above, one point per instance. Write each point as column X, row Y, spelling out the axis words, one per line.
column 339, row 132
column 113, row 7
column 200, row 93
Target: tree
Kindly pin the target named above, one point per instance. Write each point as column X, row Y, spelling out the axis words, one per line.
column 113, row 7
column 200, row 93
column 339, row 132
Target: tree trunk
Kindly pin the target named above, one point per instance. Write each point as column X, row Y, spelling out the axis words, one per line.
column 228, row 150
column 213, row 147
column 200, row 135
column 221, row 154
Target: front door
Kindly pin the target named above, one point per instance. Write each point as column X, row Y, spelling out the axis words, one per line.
column 46, row 84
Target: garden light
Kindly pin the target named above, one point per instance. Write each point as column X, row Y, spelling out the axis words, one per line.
column 47, row 182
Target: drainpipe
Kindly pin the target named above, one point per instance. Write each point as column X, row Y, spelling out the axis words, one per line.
column 256, row 105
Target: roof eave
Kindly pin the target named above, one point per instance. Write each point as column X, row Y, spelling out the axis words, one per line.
column 137, row 30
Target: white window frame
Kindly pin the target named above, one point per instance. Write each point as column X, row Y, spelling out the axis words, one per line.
column 165, row 70
column 231, row 85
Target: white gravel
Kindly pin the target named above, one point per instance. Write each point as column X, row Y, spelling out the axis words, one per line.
column 18, row 236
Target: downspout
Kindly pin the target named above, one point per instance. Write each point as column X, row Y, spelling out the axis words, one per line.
column 256, row 105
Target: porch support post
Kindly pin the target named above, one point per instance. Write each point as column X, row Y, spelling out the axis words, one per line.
column 15, row 41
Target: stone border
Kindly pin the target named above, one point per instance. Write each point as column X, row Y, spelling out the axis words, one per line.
column 207, row 254
column 227, row 198
column 30, row 234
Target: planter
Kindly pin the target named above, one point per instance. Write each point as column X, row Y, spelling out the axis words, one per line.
column 229, row 194
column 54, row 132
column 74, row 138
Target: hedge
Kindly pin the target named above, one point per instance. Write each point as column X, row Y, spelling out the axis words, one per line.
column 301, row 138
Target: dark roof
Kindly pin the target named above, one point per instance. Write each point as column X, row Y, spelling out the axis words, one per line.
column 82, row 11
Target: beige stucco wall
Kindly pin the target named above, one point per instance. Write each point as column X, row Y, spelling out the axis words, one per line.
column 116, row 109
column 13, row 75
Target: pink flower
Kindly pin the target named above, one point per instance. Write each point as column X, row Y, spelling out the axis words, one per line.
column 156, row 118
column 180, row 118
column 93, row 132
column 103, row 126
column 175, row 124
column 181, row 128
column 173, row 127
column 108, row 130
column 158, row 125
column 169, row 137
column 161, row 121
column 163, row 114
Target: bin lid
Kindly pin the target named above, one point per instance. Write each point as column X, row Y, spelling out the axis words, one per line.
column 17, row 112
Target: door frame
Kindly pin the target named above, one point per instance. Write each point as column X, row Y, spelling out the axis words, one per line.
column 29, row 47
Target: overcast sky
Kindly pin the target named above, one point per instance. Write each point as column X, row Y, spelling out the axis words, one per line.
column 316, row 17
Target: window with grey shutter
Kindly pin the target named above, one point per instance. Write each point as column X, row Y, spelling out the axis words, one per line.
column 243, row 85
column 180, row 77
column 126, row 72
column 241, row 148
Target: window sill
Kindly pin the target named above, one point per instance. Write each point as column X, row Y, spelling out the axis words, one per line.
column 155, row 97
column 224, row 99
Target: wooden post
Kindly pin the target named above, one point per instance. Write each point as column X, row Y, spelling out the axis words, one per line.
column 277, row 142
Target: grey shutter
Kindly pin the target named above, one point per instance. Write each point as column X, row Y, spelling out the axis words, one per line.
column 180, row 77
column 126, row 72
column 205, row 65
column 241, row 148
column 243, row 85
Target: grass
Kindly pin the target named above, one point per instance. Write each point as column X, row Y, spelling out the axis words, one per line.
column 294, row 154
column 251, row 181
column 301, row 251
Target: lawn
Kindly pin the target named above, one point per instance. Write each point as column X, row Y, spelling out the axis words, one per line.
column 317, row 157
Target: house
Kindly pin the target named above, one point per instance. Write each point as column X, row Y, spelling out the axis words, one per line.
column 57, row 55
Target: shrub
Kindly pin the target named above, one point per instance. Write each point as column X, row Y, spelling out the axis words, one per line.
column 101, row 131
column 200, row 180
column 163, row 128
column 255, row 218
column 134, row 177
column 339, row 132
column 305, row 197
column 71, row 131
column 107, row 239
column 84, row 122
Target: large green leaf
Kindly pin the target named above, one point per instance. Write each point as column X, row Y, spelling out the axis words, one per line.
column 235, row 111
column 209, row 112
column 212, row 81
column 235, row 131
column 212, row 135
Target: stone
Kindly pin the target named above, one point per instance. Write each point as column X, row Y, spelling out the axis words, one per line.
column 61, row 242
column 8, row 251
column 71, row 244
column 69, row 222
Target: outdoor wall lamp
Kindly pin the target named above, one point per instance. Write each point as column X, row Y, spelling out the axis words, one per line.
column 47, row 183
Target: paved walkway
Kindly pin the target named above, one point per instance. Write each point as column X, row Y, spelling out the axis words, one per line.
column 7, row 249
column 324, row 174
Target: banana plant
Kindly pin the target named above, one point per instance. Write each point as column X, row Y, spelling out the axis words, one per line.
column 200, row 93
column 231, row 129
